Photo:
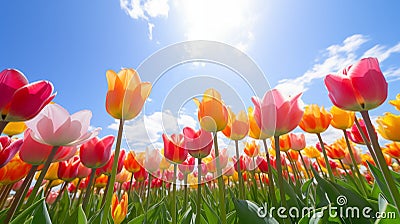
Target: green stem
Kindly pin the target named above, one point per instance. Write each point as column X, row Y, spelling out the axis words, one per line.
column 88, row 189
column 240, row 177
column 271, row 186
column 367, row 142
column 347, row 174
column 113, row 172
column 221, row 185
column 174, row 221
column 106, row 190
column 381, row 159
column 41, row 176
column 198, row 208
column 76, row 190
column 147, row 197
column 130, row 186
column 185, row 178
column 353, row 160
column 5, row 192
column 320, row 167
column 280, row 174
column 328, row 166
column 304, row 164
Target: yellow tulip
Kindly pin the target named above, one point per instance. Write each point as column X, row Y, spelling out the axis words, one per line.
column 14, row 128
column 311, row 152
column 396, row 102
column 254, row 130
column 126, row 94
column 251, row 149
column 388, row 126
column 52, row 172
column 342, row 119
column 119, row 209
column 315, row 119
column 212, row 114
column 238, row 126
column 284, row 143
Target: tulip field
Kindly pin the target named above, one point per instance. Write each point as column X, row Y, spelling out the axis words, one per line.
column 56, row 168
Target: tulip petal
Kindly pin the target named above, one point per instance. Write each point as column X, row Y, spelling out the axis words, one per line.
column 342, row 93
column 83, row 117
column 10, row 81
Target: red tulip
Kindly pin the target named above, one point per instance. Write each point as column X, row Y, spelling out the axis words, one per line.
column 36, row 153
column 19, row 100
column 174, row 148
column 96, row 152
column 276, row 115
column 68, row 170
column 140, row 175
column 355, row 136
column 359, row 87
column 106, row 169
column 187, row 166
column 198, row 143
column 242, row 163
column 262, row 164
column 83, row 171
column 8, row 148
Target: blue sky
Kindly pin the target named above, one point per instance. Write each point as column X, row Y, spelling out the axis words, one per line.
column 295, row 43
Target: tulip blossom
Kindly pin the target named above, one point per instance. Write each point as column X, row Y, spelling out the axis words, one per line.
column 311, row 152
column 152, row 160
column 13, row 171
column 336, row 151
column 106, row 169
column 359, row 87
column 187, row 166
column 357, row 156
column 275, row 114
column 36, row 153
column 123, row 176
column 237, row 127
column 211, row 161
column 254, row 129
column 51, row 198
column 8, row 148
column 131, row 162
column 174, row 148
column 140, row 175
column 251, row 149
column 56, row 127
column 212, row 114
column 396, row 102
column 284, row 143
column 197, row 143
column 96, row 152
column 297, row 141
column 341, row 119
column 19, row 100
column 68, row 170
column 393, row 150
column 126, row 94
column 262, row 164
column 355, row 135
column 388, row 126
column 242, row 163
column 119, row 209
column 315, row 119
column 52, row 172
column 83, row 171
column 164, row 164
column 14, row 128
column 101, row 181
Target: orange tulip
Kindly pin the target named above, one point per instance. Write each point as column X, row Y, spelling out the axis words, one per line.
column 212, row 114
column 342, row 119
column 131, row 162
column 284, row 143
column 251, row 149
column 254, row 129
column 101, row 181
column 393, row 150
column 315, row 119
column 126, row 94
column 311, row 152
column 14, row 171
column 119, row 209
column 335, row 151
column 123, row 176
column 396, row 102
column 237, row 127
column 14, row 128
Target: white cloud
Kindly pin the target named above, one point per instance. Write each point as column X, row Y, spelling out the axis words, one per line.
column 148, row 129
column 337, row 57
column 329, row 136
column 147, row 10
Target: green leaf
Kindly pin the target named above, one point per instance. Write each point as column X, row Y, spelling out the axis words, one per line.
column 28, row 211
column 248, row 212
column 212, row 216
column 380, row 180
column 41, row 215
column 386, row 210
column 81, row 216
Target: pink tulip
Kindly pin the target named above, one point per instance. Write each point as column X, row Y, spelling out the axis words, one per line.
column 187, row 166
column 297, row 141
column 8, row 148
column 19, row 100
column 276, row 115
column 68, row 170
column 36, row 153
column 52, row 197
column 83, row 171
column 359, row 87
column 152, row 160
column 56, row 127
column 96, row 152
column 198, row 143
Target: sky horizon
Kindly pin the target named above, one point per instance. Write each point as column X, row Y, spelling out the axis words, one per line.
column 295, row 44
